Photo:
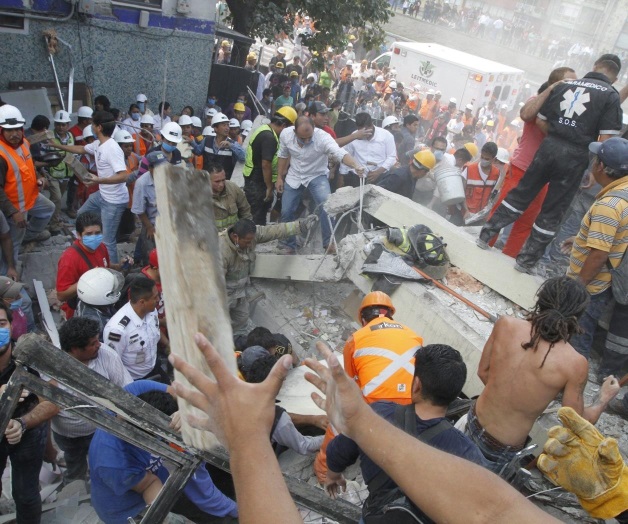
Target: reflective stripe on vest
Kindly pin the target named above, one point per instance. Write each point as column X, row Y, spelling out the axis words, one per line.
column 478, row 191
column 397, row 362
column 15, row 167
column 62, row 170
column 226, row 222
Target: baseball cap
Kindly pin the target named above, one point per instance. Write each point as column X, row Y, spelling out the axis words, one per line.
column 152, row 258
column 249, row 356
column 10, row 289
column 319, row 107
column 612, row 152
column 155, row 158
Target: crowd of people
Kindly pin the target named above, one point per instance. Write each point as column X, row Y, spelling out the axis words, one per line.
column 557, row 170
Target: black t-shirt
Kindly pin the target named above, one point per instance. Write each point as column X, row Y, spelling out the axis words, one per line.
column 294, row 67
column 264, row 147
column 578, row 111
column 30, row 401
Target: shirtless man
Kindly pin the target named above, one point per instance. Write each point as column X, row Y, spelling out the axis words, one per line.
column 524, row 365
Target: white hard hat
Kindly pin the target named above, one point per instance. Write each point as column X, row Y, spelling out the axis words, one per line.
column 349, row 44
column 312, row 75
column 438, row 93
column 10, row 117
column 172, row 132
column 87, row 132
column 393, row 85
column 62, row 117
column 209, row 131
column 504, row 106
column 389, row 120
column 100, row 286
column 85, row 112
column 210, row 111
column 430, row 92
column 330, row 49
column 147, row 119
column 349, row 62
column 123, row 137
column 379, row 78
column 281, row 50
column 503, row 155
column 246, row 125
column 527, row 86
column 141, row 98
column 469, row 107
column 219, row 118
column 185, row 120
column 452, row 100
column 234, row 122
column 196, row 122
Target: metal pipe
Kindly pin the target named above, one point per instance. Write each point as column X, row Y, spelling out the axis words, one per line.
column 71, row 79
column 42, row 17
column 54, row 70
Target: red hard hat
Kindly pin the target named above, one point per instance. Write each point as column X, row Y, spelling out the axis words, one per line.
column 152, row 258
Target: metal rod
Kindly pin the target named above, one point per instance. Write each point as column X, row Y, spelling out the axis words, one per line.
column 54, row 70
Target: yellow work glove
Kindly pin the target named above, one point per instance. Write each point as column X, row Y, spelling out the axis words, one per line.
column 578, row 458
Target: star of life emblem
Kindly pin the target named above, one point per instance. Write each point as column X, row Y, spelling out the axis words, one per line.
column 574, row 102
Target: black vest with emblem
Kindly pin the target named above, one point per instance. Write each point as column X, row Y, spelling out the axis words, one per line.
column 224, row 157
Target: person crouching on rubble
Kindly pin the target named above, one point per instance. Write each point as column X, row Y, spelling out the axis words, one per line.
column 524, row 365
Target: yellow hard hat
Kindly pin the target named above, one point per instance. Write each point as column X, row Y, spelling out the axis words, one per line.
column 288, row 113
column 251, row 56
column 471, row 148
column 351, row 37
column 424, row 159
column 279, row 65
column 224, row 43
column 239, row 106
column 376, row 298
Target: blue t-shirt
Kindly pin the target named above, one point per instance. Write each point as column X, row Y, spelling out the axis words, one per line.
column 342, row 451
column 117, row 466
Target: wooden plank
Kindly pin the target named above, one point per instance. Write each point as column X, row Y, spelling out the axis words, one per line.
column 490, row 267
column 192, row 277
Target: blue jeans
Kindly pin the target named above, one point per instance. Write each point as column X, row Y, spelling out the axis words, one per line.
column 110, row 214
column 27, row 457
column 588, row 322
column 291, row 198
column 37, row 218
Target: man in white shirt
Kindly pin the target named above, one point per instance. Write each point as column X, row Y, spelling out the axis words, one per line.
column 377, row 154
column 112, row 198
column 303, row 158
column 73, row 434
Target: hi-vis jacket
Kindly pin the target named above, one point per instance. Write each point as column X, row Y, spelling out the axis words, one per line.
column 238, row 263
column 230, row 206
column 20, row 184
column 479, row 191
column 380, row 357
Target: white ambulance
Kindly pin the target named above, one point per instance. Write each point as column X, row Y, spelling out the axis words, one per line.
column 456, row 74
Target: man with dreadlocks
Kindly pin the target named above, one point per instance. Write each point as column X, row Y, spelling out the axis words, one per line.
column 524, row 365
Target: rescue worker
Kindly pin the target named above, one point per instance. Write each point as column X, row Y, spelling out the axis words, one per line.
column 60, row 173
column 237, row 247
column 576, row 113
column 84, row 119
column 132, row 161
column 220, row 148
column 260, row 164
column 98, row 290
column 403, row 180
column 27, row 211
column 380, row 358
column 228, row 199
column 480, row 177
column 147, row 138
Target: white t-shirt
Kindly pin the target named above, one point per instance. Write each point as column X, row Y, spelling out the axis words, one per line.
column 109, row 161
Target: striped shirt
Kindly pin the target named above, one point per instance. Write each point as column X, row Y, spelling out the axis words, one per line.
column 604, row 227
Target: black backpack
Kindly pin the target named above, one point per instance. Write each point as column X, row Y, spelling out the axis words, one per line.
column 385, row 506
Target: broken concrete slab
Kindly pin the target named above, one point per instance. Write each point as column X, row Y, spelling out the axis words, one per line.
column 490, row 267
column 294, row 267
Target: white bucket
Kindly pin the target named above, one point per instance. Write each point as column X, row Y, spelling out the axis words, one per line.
column 449, row 183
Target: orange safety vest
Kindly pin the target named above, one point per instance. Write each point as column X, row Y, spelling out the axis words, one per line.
column 478, row 191
column 20, row 183
column 381, row 360
column 142, row 146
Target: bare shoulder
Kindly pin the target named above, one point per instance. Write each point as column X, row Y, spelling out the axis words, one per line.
column 506, row 324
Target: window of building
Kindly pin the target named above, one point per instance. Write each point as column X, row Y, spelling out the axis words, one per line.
column 148, row 5
column 13, row 24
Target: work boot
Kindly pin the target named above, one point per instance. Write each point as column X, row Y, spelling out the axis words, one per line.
column 36, row 237
column 500, row 219
column 533, row 250
column 481, row 244
column 618, row 407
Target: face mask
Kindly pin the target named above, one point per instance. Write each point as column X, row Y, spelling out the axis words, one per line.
column 438, row 155
column 92, row 241
column 94, row 135
column 211, row 101
column 168, row 148
column 142, row 106
column 303, row 143
column 5, row 336
column 136, row 116
column 270, row 98
column 16, row 304
column 485, row 163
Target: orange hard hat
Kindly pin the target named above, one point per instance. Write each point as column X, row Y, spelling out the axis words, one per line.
column 376, row 298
